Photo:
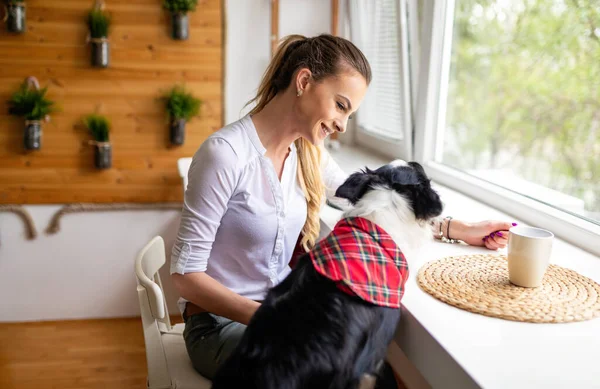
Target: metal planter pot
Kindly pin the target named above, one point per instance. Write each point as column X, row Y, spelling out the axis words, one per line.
column 32, row 137
column 180, row 26
column 15, row 18
column 100, row 53
column 103, row 155
column 177, row 133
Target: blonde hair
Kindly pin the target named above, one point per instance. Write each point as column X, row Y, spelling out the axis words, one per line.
column 325, row 55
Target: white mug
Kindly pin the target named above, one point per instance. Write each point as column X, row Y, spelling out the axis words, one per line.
column 529, row 251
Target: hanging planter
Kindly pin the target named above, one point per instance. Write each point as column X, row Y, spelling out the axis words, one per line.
column 99, row 128
column 15, row 16
column 100, row 52
column 98, row 22
column 31, row 103
column 177, row 132
column 103, row 155
column 180, row 26
column 32, row 139
column 181, row 107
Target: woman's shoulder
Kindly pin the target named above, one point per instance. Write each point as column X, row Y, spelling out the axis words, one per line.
column 231, row 140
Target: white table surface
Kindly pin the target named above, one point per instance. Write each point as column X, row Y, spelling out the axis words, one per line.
column 453, row 348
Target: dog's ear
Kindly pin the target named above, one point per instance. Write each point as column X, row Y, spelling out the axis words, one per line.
column 418, row 168
column 414, row 184
column 426, row 202
column 355, row 186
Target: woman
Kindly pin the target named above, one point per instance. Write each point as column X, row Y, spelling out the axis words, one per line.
column 256, row 188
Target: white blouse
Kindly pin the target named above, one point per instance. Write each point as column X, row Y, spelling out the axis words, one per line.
column 239, row 223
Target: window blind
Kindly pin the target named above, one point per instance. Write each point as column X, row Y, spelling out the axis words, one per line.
column 375, row 29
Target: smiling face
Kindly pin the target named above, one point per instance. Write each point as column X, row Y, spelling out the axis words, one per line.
column 325, row 106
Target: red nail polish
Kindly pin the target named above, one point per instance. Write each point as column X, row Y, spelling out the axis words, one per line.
column 514, row 224
column 499, row 234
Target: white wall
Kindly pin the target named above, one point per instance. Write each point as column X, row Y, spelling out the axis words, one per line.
column 86, row 270
column 83, row 271
column 305, row 17
column 249, row 47
column 247, row 52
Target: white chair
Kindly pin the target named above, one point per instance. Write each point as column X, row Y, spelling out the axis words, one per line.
column 169, row 365
column 183, row 165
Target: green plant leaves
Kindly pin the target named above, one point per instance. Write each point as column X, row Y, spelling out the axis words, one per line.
column 98, row 23
column 98, row 126
column 30, row 103
column 181, row 104
column 182, row 6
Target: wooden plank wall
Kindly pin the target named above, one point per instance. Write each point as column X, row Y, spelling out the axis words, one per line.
column 144, row 62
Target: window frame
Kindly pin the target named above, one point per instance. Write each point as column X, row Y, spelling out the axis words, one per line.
column 436, row 37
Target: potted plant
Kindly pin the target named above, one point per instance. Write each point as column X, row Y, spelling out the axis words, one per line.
column 30, row 102
column 15, row 15
column 98, row 22
column 179, row 19
column 181, row 107
column 99, row 128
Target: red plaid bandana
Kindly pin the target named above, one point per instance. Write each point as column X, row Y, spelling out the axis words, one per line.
column 364, row 260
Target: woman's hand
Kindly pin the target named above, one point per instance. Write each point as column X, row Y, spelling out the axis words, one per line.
column 492, row 234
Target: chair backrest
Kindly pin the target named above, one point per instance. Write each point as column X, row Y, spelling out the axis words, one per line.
column 183, row 165
column 149, row 261
column 154, row 311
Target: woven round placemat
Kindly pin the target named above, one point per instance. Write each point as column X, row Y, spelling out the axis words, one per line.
column 479, row 283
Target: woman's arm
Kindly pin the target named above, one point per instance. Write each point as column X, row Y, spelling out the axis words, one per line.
column 212, row 179
column 492, row 234
column 206, row 292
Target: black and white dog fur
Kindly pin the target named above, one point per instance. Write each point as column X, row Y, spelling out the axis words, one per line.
column 308, row 333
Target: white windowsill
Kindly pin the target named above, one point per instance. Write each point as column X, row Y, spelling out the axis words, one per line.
column 453, row 348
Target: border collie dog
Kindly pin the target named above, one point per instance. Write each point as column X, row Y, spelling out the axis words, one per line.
column 329, row 322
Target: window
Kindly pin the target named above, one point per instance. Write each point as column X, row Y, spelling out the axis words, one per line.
column 377, row 28
column 523, row 107
column 511, row 102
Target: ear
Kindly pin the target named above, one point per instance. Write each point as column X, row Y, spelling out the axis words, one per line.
column 417, row 166
column 426, row 202
column 355, row 186
column 302, row 78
